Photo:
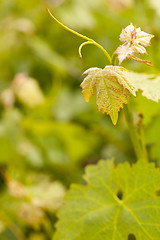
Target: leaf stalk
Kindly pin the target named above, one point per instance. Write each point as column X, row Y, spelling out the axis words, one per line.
column 138, row 148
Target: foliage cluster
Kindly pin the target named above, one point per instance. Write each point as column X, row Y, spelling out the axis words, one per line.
column 48, row 134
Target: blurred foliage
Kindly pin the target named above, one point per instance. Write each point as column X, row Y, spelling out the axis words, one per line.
column 48, row 134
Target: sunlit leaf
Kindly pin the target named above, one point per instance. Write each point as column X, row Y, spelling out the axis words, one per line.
column 149, row 84
column 116, row 203
column 113, row 89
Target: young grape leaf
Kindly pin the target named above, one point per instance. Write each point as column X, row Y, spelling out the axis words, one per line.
column 149, row 84
column 113, row 89
column 117, row 203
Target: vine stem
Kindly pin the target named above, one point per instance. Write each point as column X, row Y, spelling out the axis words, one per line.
column 138, row 148
column 113, row 59
column 141, row 133
column 81, row 35
column 137, row 143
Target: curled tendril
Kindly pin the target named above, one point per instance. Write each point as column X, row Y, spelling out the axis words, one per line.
column 82, row 45
column 89, row 40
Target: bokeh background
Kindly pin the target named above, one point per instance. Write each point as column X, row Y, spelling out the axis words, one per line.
column 48, row 134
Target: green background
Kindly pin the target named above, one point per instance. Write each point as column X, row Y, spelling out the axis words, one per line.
column 48, row 134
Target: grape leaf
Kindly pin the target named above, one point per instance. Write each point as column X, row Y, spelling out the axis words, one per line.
column 113, row 89
column 149, row 84
column 117, row 203
column 114, row 84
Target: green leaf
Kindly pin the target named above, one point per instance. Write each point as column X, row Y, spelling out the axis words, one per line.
column 117, row 203
column 149, row 84
column 113, row 89
column 114, row 84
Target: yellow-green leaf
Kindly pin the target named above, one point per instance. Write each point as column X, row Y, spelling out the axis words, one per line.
column 118, row 203
column 147, row 83
column 113, row 89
